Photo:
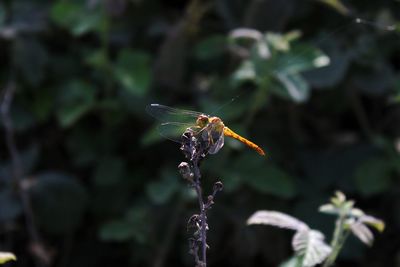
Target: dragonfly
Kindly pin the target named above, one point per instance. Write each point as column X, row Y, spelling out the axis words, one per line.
column 175, row 121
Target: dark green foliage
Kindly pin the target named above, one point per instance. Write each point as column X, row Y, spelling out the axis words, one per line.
column 105, row 187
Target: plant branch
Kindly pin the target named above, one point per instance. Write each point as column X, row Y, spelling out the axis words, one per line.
column 339, row 237
column 203, row 215
column 195, row 148
column 42, row 258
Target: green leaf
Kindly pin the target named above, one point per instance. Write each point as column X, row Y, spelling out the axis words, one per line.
column 76, row 18
column 75, row 100
column 109, row 171
column 59, row 202
column 89, row 22
column 245, row 72
column 118, row 230
column 272, row 181
column 97, row 59
column 135, row 226
column 132, row 71
column 277, row 219
column 211, row 47
column 43, row 104
column 292, row 262
column 300, row 58
column 30, row 57
column 362, row 232
column 310, row 245
column 329, row 209
column 7, row 256
column 373, row 176
column 332, row 74
column 378, row 224
column 295, row 87
column 337, row 5
column 65, row 13
column 161, row 191
column 139, row 217
column 264, row 177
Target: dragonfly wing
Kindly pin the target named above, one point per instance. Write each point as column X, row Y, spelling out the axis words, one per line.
column 214, row 148
column 168, row 114
column 173, row 130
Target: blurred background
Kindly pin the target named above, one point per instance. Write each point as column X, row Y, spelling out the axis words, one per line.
column 86, row 179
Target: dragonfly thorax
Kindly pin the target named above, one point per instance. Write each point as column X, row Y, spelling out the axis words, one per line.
column 217, row 123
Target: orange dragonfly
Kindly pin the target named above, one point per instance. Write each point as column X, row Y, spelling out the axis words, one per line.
column 175, row 121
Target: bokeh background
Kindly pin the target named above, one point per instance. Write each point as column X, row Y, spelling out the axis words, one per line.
column 86, row 180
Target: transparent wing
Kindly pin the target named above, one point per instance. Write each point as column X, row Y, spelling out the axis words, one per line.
column 217, row 145
column 173, row 130
column 168, row 114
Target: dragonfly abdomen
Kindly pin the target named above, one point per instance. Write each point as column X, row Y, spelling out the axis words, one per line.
column 230, row 133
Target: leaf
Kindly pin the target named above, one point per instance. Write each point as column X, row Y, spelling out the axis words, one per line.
column 378, row 224
column 355, row 212
column 337, row 5
column 310, row 245
column 295, row 87
column 331, row 74
column 339, row 199
column 59, row 202
column 362, row 232
column 245, row 72
column 266, row 178
column 292, row 262
column 329, row 209
column 76, row 18
column 161, row 191
column 75, row 99
column 135, row 225
column 118, row 230
column 373, row 176
column 109, row 171
column 7, row 256
column 132, row 71
column 97, row 59
column 43, row 104
column 278, row 219
column 301, row 58
column 211, row 47
column 30, row 58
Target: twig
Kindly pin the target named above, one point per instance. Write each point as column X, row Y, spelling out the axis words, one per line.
column 203, row 215
column 195, row 148
column 17, row 174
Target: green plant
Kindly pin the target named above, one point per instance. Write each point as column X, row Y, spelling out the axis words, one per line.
column 7, row 256
column 309, row 245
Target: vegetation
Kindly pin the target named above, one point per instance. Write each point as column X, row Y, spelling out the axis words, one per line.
column 309, row 245
column 87, row 180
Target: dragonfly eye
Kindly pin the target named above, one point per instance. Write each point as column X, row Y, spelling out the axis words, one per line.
column 202, row 121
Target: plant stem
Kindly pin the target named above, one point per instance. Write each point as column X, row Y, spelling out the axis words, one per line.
column 339, row 237
column 203, row 215
column 17, row 173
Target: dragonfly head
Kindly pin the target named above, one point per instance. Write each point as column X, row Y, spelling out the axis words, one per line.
column 202, row 121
